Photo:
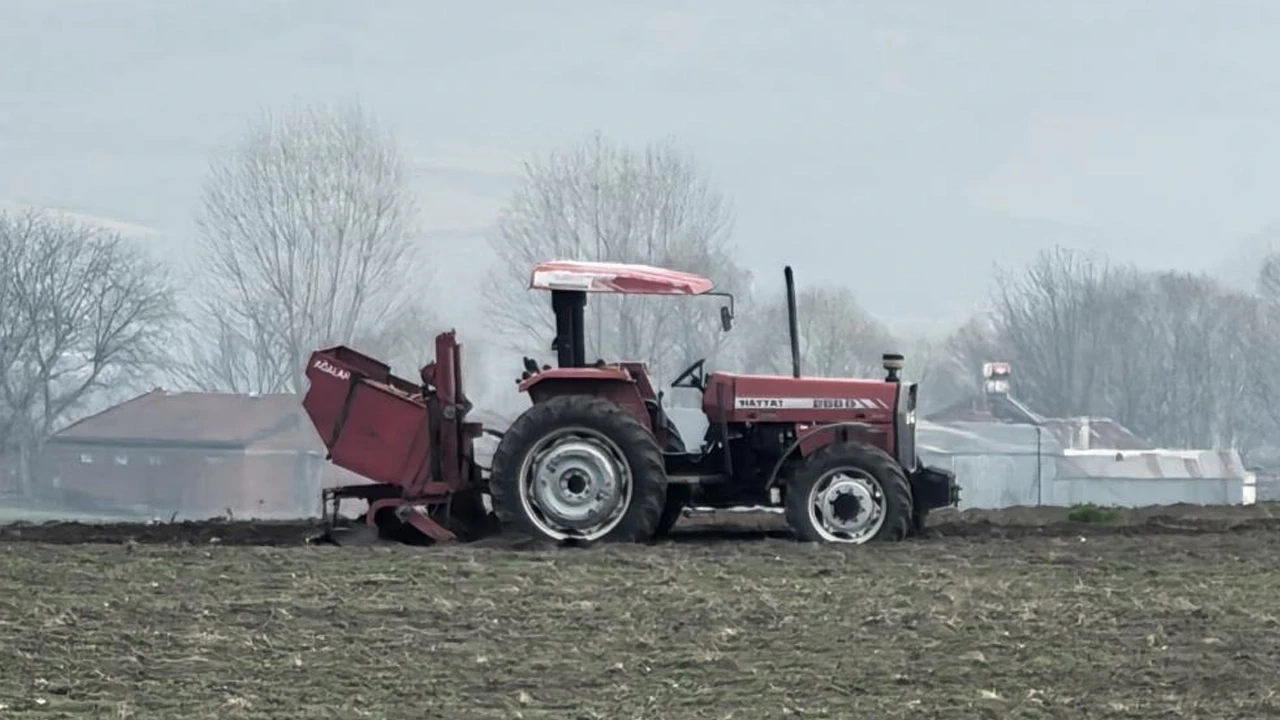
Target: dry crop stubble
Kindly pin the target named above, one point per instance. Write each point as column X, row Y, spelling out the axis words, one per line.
column 1112, row 626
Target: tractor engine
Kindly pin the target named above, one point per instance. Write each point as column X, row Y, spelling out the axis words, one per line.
column 878, row 413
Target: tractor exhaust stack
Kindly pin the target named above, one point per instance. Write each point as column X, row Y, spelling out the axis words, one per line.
column 792, row 325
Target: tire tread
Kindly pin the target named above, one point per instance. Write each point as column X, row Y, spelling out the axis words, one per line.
column 648, row 472
column 893, row 481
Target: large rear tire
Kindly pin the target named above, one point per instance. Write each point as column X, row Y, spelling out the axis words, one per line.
column 578, row 468
column 849, row 493
column 678, row 496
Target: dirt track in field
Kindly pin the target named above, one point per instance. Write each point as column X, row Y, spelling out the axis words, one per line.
column 1172, row 614
column 968, row 524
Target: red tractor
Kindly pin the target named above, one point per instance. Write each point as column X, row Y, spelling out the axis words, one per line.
column 596, row 457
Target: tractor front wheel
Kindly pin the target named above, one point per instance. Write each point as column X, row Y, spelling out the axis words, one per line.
column 849, row 493
column 578, row 468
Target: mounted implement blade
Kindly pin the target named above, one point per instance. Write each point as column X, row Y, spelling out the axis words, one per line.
column 411, row 440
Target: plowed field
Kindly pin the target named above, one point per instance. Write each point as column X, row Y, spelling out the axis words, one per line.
column 1173, row 613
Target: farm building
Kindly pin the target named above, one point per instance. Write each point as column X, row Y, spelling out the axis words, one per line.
column 197, row 455
column 1001, row 465
column 1005, row 455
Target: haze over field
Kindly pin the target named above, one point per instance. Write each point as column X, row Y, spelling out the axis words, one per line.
column 1079, row 196
column 934, row 138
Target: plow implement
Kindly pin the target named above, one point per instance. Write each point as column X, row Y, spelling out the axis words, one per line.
column 412, row 441
column 460, row 516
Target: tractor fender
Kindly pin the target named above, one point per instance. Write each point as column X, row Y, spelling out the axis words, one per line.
column 609, row 383
column 809, row 441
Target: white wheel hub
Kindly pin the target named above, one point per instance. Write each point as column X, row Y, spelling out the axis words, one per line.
column 847, row 505
column 575, row 483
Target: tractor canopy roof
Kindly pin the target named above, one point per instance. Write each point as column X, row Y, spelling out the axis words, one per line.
column 607, row 277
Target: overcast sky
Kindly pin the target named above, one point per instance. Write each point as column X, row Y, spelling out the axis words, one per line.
column 901, row 147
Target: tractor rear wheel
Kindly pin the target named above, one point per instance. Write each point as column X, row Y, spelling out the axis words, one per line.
column 677, row 499
column 849, row 493
column 578, row 468
column 678, row 496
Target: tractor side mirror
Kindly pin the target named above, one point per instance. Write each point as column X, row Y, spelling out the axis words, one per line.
column 726, row 318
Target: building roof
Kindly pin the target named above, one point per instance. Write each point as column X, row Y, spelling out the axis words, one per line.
column 195, row 419
column 1101, row 432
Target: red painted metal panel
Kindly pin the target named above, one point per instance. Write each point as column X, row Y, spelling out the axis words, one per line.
column 616, row 278
column 373, row 427
column 806, row 402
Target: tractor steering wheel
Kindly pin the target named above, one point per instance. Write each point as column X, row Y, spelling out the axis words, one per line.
column 689, row 372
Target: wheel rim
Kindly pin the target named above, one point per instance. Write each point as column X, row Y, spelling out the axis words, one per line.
column 847, row 505
column 575, row 483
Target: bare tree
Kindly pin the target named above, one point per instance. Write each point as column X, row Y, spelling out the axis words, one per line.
column 946, row 366
column 1054, row 315
column 84, row 313
column 1131, row 383
column 1169, row 355
column 967, row 348
column 600, row 201
column 1265, row 344
column 838, row 338
column 1269, row 282
column 1188, row 384
column 308, row 239
column 1234, row 320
